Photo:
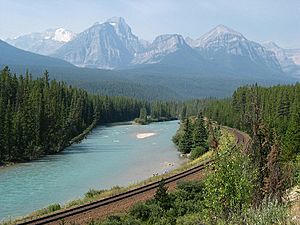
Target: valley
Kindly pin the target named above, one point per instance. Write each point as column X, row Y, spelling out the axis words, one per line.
column 118, row 63
column 149, row 112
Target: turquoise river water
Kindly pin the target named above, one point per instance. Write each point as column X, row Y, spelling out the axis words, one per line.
column 110, row 155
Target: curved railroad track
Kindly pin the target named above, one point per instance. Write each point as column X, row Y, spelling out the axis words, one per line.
column 98, row 209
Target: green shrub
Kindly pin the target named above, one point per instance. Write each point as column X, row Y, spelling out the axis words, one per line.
column 141, row 211
column 197, row 152
column 140, row 121
column 92, row 193
column 190, row 219
column 229, row 189
column 54, row 207
column 192, row 189
column 49, row 209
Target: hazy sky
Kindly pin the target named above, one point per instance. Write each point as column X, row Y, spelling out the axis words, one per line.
column 258, row 20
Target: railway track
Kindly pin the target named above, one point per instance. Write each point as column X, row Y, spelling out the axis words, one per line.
column 242, row 138
column 73, row 215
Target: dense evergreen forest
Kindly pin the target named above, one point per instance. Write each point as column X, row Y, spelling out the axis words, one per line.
column 41, row 116
column 272, row 114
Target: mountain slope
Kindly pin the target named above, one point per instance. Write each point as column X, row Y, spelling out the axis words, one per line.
column 14, row 56
column 44, row 43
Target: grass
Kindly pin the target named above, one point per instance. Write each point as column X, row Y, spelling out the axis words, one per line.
column 269, row 213
column 293, row 198
column 49, row 209
column 226, row 139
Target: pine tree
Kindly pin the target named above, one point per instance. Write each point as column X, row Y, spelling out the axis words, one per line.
column 292, row 136
column 143, row 114
column 162, row 197
column 200, row 133
column 186, row 140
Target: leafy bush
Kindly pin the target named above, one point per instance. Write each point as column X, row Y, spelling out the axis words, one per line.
column 117, row 220
column 92, row 193
column 229, row 190
column 190, row 219
column 49, row 209
column 197, row 152
column 140, row 121
column 54, row 207
column 141, row 211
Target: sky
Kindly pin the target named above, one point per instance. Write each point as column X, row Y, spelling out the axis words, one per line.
column 257, row 20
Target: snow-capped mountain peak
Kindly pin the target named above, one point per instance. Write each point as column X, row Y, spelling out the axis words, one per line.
column 63, row 35
column 124, row 32
column 224, row 29
column 117, row 20
column 220, row 33
column 224, row 44
column 43, row 42
column 120, row 25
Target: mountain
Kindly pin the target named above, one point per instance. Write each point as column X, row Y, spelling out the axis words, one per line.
column 229, row 48
column 112, row 45
column 44, row 43
column 108, row 45
column 280, row 54
column 289, row 59
column 168, row 48
column 11, row 55
column 122, row 29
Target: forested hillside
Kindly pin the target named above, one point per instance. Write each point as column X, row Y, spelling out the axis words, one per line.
column 39, row 116
column 270, row 113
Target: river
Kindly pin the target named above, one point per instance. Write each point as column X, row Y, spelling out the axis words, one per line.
column 109, row 156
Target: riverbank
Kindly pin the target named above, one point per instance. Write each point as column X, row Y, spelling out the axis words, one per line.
column 140, row 121
column 81, row 136
column 76, row 139
column 6, row 164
